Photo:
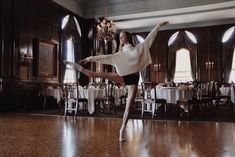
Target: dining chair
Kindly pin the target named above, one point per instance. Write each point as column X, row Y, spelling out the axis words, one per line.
column 187, row 106
column 62, row 96
column 106, row 102
column 150, row 102
column 73, row 101
column 223, row 100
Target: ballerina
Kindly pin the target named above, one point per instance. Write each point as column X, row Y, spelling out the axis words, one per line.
column 128, row 62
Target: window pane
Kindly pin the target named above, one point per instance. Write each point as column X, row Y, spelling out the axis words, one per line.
column 65, row 21
column 70, row 73
column 140, row 38
column 183, row 66
column 77, row 26
column 227, row 35
column 173, row 38
column 191, row 37
column 232, row 75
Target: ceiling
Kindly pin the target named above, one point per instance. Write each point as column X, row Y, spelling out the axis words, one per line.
column 142, row 15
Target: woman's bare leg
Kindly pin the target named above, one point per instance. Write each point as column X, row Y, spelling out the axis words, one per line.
column 132, row 90
column 110, row 76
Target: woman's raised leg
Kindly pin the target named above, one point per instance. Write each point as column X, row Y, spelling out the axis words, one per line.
column 110, row 76
column 132, row 90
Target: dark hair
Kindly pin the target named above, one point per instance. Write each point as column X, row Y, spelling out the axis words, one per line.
column 129, row 37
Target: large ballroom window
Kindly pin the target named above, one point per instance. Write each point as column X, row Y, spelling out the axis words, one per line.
column 183, row 72
column 70, row 72
column 227, row 35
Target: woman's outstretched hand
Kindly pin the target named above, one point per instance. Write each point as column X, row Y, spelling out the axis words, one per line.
column 164, row 23
column 83, row 61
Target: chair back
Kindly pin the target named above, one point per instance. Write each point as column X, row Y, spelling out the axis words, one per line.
column 212, row 90
column 70, row 90
column 109, row 89
column 148, row 91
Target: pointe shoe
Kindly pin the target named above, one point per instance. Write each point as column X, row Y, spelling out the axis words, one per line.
column 121, row 135
column 75, row 65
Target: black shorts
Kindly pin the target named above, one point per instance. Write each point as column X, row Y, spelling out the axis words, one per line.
column 131, row 79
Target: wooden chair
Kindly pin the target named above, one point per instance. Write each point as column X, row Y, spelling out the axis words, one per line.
column 222, row 100
column 72, row 100
column 188, row 106
column 82, row 102
column 150, row 102
column 63, row 95
column 107, row 102
column 122, row 101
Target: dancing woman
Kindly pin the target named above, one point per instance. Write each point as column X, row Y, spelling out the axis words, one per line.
column 128, row 62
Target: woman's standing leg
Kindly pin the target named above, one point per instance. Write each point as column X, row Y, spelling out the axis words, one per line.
column 132, row 90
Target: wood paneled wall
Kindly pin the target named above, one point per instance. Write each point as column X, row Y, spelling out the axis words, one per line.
column 21, row 23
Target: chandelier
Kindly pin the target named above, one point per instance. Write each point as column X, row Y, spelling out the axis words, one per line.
column 106, row 29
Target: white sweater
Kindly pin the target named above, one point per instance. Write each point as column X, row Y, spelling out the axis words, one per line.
column 130, row 59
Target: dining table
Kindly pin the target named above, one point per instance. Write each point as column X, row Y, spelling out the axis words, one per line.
column 172, row 94
column 91, row 93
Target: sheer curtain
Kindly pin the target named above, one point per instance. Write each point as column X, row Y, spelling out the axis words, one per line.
column 183, row 66
column 70, row 73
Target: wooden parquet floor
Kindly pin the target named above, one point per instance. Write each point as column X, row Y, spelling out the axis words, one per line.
column 30, row 135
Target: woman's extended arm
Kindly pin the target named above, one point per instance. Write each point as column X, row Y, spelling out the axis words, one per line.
column 151, row 36
column 104, row 59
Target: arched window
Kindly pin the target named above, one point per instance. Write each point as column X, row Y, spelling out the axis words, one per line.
column 182, row 57
column 226, row 37
column 182, row 68
column 72, row 31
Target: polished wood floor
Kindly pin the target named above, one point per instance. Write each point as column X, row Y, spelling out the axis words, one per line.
column 55, row 136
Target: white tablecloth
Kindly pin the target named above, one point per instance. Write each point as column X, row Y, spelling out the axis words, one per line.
column 92, row 93
column 230, row 92
column 55, row 92
column 172, row 94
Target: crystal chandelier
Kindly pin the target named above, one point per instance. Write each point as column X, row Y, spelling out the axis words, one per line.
column 106, row 29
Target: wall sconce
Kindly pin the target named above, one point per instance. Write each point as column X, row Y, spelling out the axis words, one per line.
column 157, row 67
column 26, row 58
column 209, row 65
